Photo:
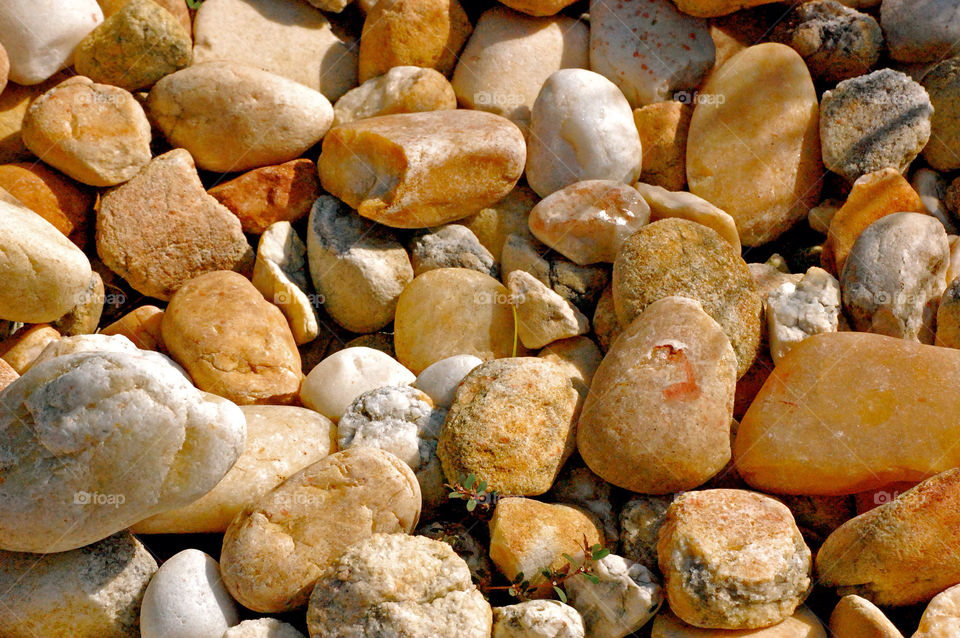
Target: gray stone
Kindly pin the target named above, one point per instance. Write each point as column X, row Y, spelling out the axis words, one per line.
column 640, row 521
column 451, row 246
column 921, row 30
column 537, row 619
column 627, row 596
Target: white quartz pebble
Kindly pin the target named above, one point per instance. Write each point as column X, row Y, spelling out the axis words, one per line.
column 440, row 380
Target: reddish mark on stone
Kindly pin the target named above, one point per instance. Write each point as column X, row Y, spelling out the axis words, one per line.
column 685, row 47
column 789, row 403
column 693, row 36
column 684, row 390
column 644, row 67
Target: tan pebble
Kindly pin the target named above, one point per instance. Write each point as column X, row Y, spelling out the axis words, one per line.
column 538, row 7
column 663, row 129
column 856, row 617
column 280, row 275
column 24, row 347
column 543, row 316
column 821, row 215
column 714, row 8
column 665, row 204
column 493, row 224
column 803, row 624
column 14, row 101
column 52, row 195
column 941, row 618
column 84, row 317
column 580, row 356
column 7, row 374
column 177, row 8
column 141, row 326
column 606, row 326
column 402, row 89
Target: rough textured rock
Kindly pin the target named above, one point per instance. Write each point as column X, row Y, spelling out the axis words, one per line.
column 441, row 379
column 942, row 84
column 606, row 326
column 714, row 8
column 537, row 619
column 464, row 543
column 177, row 8
column 941, row 618
column 26, row 345
column 55, row 197
column 797, row 311
column 451, row 246
column 640, row 521
column 263, row 628
column 627, row 596
column 663, row 128
column 665, row 204
column 579, row 357
column 543, row 316
column 402, row 89
column 580, row 487
column 279, row 274
column 803, row 624
column 920, row 30
column 855, row 616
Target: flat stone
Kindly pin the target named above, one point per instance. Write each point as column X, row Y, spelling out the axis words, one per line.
column 50, row 194
column 537, row 619
column 451, row 246
column 402, row 89
column 663, row 128
column 942, row 615
column 855, row 616
column 797, row 311
column 626, row 598
column 543, row 316
column 665, row 204
column 803, row 624
column 23, row 348
column 821, row 215
column 280, row 275
column 921, row 30
column 441, row 379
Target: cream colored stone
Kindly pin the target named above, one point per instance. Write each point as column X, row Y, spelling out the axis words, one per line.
column 543, row 316
column 493, row 224
column 537, row 619
column 441, row 379
column 263, row 628
column 538, row 7
column 626, row 597
column 663, row 128
column 856, row 617
column 279, row 274
column 23, row 348
column 795, row 312
column 141, row 326
column 402, row 89
column 941, row 618
column 715, row 8
column 803, row 624
column 665, row 204
column 579, row 356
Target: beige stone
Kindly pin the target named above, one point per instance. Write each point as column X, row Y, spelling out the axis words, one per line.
column 280, row 275
column 538, row 7
column 543, row 316
column 941, row 618
column 493, row 224
column 402, row 89
column 803, row 624
column 55, row 197
column 141, row 326
column 663, row 128
column 606, row 326
column 21, row 350
column 263, row 628
column 948, row 317
column 665, row 204
column 714, row 8
column 177, row 8
column 579, row 356
column 84, row 317
column 14, row 101
column 537, row 619
column 856, row 617
column 7, row 374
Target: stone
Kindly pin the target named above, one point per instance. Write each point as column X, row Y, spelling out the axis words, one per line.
column 279, row 274
column 232, row 341
column 855, row 616
column 39, row 46
column 281, row 440
column 715, row 8
column 87, row 343
column 821, row 215
column 626, row 598
column 95, row 133
column 160, row 229
column 263, row 118
column 543, row 316
column 581, row 128
column 671, row 368
column 339, row 379
column 398, row 585
column 58, row 199
column 270, row 194
column 606, row 326
column 290, row 39
column 538, row 7
column 91, row 592
column 797, row 311
column 894, row 276
column 640, row 520
column 659, row 260
column 7, row 374
column 537, row 619
column 942, row 84
column 769, row 182
column 358, row 267
column 803, row 624
column 653, row 54
column 836, row 42
column 732, row 559
column 663, row 128
column 45, row 273
column 14, row 102
column 588, row 221
column 134, row 47
column 177, row 8
column 942, row 615
column 948, row 317
column 903, row 552
column 263, row 628
column 779, row 447
column 510, row 55
column 187, row 599
column 527, row 536
column 84, row 317
column 22, row 349
column 451, row 311
column 4, row 68
column 920, row 31
column 402, row 89
column 495, row 223
column 90, row 417
column 427, row 33
column 580, row 487
column 932, row 189
column 665, row 204
column 872, row 122
column 579, row 356
column 440, row 380
column 464, row 544
column 399, row 170
column 141, row 326
column 451, row 246
column 336, row 6
column 276, row 549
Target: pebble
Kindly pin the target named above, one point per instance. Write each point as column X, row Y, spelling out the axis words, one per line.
column 606, row 326
column 263, row 628
column 464, row 544
column 402, row 89
column 263, row 118
column 942, row 84
column 510, row 55
column 660, row 260
column 932, row 189
column 177, row 8
column 942, row 615
column 580, row 487
column 538, row 7
column 543, row 316
column 901, row 553
column 270, row 194
column 160, row 229
column 39, row 46
column 338, row 380
column 732, row 559
column 76, row 425
column 872, row 122
column 626, row 598
column 920, row 30
column 440, row 380
column 398, row 585
column 14, row 102
column 803, row 624
column 640, row 521
column 512, row 424
column 493, row 224
column 4, row 68
column 663, row 128
column 579, row 356
column 91, row 592
column 418, row 170
column 797, row 311
column 277, row 548
column 451, row 246
column 279, row 274
column 7, row 374
column 141, row 326
column 84, row 317
column 187, row 599
column 821, row 215
column 855, row 616
column 52, row 195
column 537, row 619
column 948, row 317
column 657, row 419
column 652, row 53
column 779, row 447
column 27, row 345
column 716, row 8
column 95, row 133
column 291, row 39
column 766, row 182
column 88, row 343
column 665, row 204
column 581, row 128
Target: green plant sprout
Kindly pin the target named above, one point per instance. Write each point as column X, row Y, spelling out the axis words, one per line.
column 194, row 4
column 521, row 588
column 474, row 493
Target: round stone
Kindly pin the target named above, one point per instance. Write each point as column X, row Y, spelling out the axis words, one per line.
column 451, row 246
column 942, row 84
column 441, row 379
column 402, row 89
column 263, row 628
column 920, row 30
column 537, row 619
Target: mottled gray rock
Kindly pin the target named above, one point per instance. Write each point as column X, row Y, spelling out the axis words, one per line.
column 640, row 521
column 627, row 596
column 921, row 30
column 579, row 486
column 451, row 246
column 537, row 619
column 797, row 311
column 463, row 542
column 543, row 316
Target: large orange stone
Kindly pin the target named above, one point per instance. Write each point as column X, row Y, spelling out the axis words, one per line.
column 54, row 196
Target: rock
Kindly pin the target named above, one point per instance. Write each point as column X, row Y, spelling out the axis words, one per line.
column 186, row 599
column 339, row 379
column 45, row 273
column 263, row 118
column 660, row 260
column 264, row 196
column 663, row 128
column 579, row 356
column 538, row 7
column 281, row 440
column 160, row 229
column 464, row 544
column 537, row 619
column 942, row 616
column 279, row 275
column 901, row 553
column 581, row 128
column 14, row 102
column 640, row 521
column 715, row 8
column 95, row 133
column 932, row 189
column 441, row 379
column 650, row 53
column 580, row 487
column 510, row 55
column 290, row 39
column 942, row 84
column 527, row 536
column 492, row 225
column 451, row 246
column 4, row 68
column 803, row 624
column 276, row 549
column 58, row 199
column 948, row 317
column 84, row 317
column 836, row 42
column 177, row 8
column 797, row 311
column 39, row 46
column 451, row 311
column 88, row 343
column 779, row 446
column 856, row 616
column 27, row 345
column 263, row 628
column 97, row 414
column 770, row 181
column 671, row 368
column 91, row 592
column 606, row 326
column 626, row 597
column 398, row 585
column 894, row 276
column 402, row 89
column 141, row 326
column 920, row 31
column 872, row 122
column 336, row 6
column 134, row 47
column 427, row 33
column 665, row 204
column 732, row 559
column 399, row 169
column 7, row 374
column 588, row 221
column 543, row 316
column 821, row 215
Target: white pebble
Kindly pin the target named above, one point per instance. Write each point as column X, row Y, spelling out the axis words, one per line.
column 441, row 379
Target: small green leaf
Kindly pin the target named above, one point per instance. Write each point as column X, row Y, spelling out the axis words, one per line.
column 455, row 495
column 482, row 487
column 518, row 578
column 592, row 578
column 471, row 505
column 562, row 596
column 512, row 591
column 600, row 552
column 467, row 484
column 546, row 572
column 194, row 4
column 570, row 559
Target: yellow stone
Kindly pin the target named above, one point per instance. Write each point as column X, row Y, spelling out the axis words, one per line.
column 715, row 8
column 142, row 326
column 493, row 224
column 856, row 617
column 803, row 624
column 21, row 349
column 663, row 128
